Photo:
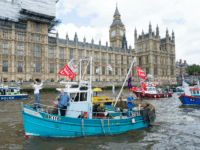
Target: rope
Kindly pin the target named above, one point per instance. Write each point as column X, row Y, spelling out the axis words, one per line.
column 109, row 127
column 82, row 121
column 103, row 126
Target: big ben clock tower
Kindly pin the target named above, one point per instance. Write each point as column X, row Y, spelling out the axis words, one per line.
column 117, row 30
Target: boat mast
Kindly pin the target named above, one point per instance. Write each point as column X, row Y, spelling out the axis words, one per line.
column 133, row 61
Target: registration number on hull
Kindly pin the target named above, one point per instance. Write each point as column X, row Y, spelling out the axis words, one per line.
column 192, row 100
column 52, row 117
column 136, row 113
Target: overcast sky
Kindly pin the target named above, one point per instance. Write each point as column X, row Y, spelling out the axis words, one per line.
column 92, row 19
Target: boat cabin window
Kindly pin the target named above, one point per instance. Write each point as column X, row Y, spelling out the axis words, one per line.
column 194, row 91
column 11, row 90
column 153, row 89
column 94, row 94
column 80, row 97
column 197, row 91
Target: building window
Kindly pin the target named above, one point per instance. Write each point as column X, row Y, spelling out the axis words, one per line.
column 122, row 71
column 140, row 61
column 122, row 60
column 61, row 54
column 109, row 58
column 5, row 33
column 147, row 60
column 36, row 51
column 51, row 52
column 103, row 57
column 80, row 54
column 20, row 67
column 139, row 49
column 133, row 71
column 116, row 71
column 116, row 59
column 127, row 61
column 20, row 49
column 20, row 36
column 5, row 48
column 37, row 26
column 51, row 68
column 103, row 70
column 88, row 54
column 146, row 47
column 36, row 67
column 110, row 72
column 71, row 54
column 88, row 69
column 37, row 38
column 4, row 66
column 147, row 71
column 171, row 61
column 95, row 57
column 155, row 71
column 95, row 69
column 163, row 72
column 172, row 71
column 127, row 70
column 155, row 59
column 61, row 66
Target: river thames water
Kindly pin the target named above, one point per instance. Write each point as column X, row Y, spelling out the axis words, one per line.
column 176, row 127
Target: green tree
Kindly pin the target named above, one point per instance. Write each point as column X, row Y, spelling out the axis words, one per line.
column 191, row 69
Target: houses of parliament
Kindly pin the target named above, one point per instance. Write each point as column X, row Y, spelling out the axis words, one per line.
column 29, row 52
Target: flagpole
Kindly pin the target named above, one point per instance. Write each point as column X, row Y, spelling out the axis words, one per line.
column 133, row 60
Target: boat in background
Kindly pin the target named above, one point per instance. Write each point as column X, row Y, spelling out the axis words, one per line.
column 151, row 92
column 191, row 95
column 11, row 93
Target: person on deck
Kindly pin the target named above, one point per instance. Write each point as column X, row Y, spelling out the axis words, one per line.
column 63, row 100
column 37, row 89
column 130, row 104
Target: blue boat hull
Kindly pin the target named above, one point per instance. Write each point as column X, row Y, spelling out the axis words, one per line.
column 189, row 100
column 48, row 125
column 12, row 97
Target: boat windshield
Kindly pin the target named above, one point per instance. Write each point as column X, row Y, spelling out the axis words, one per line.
column 79, row 96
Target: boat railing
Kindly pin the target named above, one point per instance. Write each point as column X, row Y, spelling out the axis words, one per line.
column 49, row 109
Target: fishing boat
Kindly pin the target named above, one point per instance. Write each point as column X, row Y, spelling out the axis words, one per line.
column 151, row 92
column 80, row 118
column 11, row 93
column 191, row 95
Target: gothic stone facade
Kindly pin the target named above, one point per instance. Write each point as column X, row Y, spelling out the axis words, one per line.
column 28, row 52
column 156, row 56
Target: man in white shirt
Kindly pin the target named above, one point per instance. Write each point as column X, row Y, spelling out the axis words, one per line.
column 37, row 89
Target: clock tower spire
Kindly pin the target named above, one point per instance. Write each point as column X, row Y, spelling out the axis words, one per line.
column 117, row 30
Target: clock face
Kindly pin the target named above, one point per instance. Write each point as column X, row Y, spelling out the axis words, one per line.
column 113, row 33
column 121, row 32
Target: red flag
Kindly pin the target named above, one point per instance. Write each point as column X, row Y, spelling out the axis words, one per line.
column 141, row 73
column 66, row 71
column 142, row 90
column 134, row 89
column 143, row 84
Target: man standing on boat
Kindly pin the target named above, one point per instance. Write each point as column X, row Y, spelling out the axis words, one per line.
column 130, row 104
column 37, row 89
column 62, row 102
